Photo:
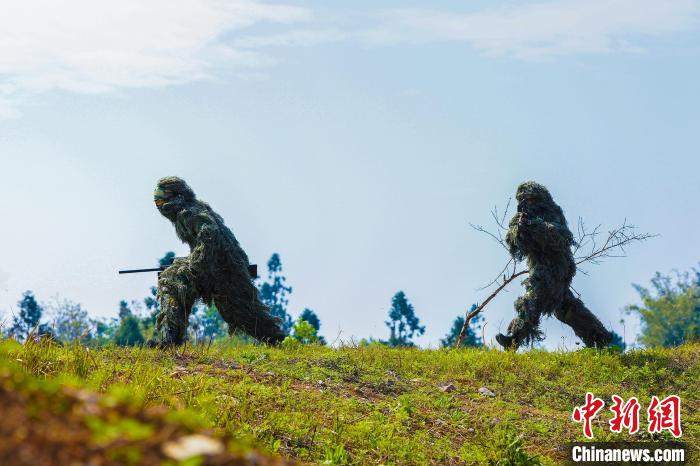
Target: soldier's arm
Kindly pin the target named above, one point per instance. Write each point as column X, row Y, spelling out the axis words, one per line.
column 201, row 255
column 512, row 237
column 548, row 234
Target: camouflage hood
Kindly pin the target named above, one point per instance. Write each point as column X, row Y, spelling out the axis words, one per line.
column 171, row 195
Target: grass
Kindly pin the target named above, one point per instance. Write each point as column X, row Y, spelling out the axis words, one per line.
column 377, row 405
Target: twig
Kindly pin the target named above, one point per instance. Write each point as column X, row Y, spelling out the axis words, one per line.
column 479, row 308
column 500, row 274
column 496, row 238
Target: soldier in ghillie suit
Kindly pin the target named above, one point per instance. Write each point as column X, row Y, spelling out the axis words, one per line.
column 216, row 271
column 539, row 233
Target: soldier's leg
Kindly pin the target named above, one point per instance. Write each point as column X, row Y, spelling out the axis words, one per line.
column 525, row 328
column 585, row 324
column 538, row 297
column 176, row 296
column 242, row 310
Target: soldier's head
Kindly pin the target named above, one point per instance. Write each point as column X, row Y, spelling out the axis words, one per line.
column 532, row 193
column 171, row 194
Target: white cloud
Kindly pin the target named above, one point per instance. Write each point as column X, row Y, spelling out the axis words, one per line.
column 95, row 46
column 294, row 38
column 544, row 30
column 98, row 46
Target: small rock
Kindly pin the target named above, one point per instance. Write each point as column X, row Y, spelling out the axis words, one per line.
column 495, row 421
column 447, row 388
column 178, row 372
column 471, row 429
column 192, row 445
column 486, row 392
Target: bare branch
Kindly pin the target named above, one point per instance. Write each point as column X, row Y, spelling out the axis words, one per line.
column 500, row 274
column 614, row 246
column 494, row 236
column 480, row 307
column 500, row 222
column 505, row 214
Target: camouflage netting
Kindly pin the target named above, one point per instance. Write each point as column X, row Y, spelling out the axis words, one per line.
column 539, row 233
column 216, row 271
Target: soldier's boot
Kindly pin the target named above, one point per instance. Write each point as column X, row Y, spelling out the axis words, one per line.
column 170, row 330
column 160, row 344
column 584, row 323
column 508, row 342
column 524, row 329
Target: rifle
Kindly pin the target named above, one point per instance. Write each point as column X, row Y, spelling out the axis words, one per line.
column 252, row 269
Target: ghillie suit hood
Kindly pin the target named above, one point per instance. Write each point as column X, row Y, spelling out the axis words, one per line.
column 172, row 194
column 216, row 270
column 539, row 233
column 539, row 228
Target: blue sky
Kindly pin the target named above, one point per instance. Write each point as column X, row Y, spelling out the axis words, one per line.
column 357, row 140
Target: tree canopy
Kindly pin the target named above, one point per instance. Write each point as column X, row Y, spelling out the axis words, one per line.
column 471, row 338
column 274, row 292
column 30, row 313
column 670, row 310
column 403, row 323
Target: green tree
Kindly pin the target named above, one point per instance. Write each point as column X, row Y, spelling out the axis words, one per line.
column 670, row 310
column 403, row 323
column 71, row 322
column 105, row 330
column 151, row 302
column 205, row 323
column 124, row 309
column 471, row 339
column 167, row 259
column 305, row 333
column 617, row 341
column 311, row 317
column 30, row 313
column 129, row 331
column 213, row 326
column 274, row 292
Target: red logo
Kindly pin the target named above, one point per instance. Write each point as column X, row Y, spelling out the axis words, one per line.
column 626, row 415
column 665, row 415
column 662, row 415
column 587, row 413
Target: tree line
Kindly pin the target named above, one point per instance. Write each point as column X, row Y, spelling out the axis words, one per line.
column 669, row 314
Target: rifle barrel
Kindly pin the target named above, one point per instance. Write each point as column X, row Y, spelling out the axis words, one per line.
column 141, row 270
column 252, row 270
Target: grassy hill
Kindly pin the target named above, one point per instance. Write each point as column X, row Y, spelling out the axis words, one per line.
column 369, row 405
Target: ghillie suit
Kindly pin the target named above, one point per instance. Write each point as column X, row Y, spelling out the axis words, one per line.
column 539, row 233
column 216, row 271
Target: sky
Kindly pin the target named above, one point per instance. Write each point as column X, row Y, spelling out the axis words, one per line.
column 358, row 140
